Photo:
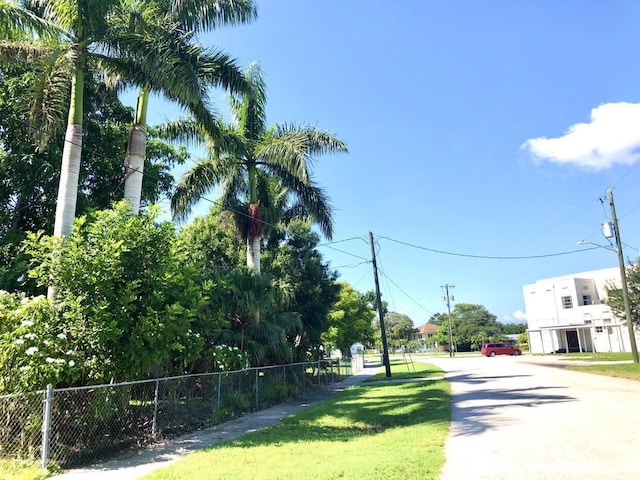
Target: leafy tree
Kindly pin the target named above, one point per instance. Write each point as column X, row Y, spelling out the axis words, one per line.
column 471, row 325
column 398, row 327
column 513, row 328
column 135, row 293
column 244, row 155
column 438, row 318
column 349, row 320
column 616, row 301
column 213, row 242
column 296, row 261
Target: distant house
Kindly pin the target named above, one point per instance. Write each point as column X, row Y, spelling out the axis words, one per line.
column 570, row 314
column 425, row 333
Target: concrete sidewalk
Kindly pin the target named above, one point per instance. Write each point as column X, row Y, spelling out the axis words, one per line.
column 135, row 465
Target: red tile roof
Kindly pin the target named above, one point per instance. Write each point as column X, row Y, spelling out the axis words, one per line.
column 428, row 329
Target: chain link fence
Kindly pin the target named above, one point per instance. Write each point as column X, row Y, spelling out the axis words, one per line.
column 77, row 426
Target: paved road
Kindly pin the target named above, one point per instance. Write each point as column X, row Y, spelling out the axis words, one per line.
column 513, row 418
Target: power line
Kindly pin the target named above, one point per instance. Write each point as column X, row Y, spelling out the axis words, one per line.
column 488, row 257
column 407, row 295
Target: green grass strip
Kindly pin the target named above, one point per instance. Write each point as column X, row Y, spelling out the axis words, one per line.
column 406, row 369
column 21, row 470
column 376, row 431
column 621, row 370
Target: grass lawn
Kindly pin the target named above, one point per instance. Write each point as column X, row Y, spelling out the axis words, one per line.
column 372, row 431
column 598, row 357
column 402, row 369
column 622, row 370
column 21, row 470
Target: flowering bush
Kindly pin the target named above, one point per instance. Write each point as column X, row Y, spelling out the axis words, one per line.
column 226, row 359
column 35, row 344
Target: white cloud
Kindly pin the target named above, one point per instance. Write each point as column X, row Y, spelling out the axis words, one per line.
column 516, row 317
column 519, row 315
column 611, row 137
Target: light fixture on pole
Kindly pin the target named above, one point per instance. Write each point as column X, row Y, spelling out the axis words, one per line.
column 609, row 230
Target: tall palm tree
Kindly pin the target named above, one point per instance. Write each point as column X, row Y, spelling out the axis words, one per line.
column 65, row 33
column 243, row 155
column 174, row 24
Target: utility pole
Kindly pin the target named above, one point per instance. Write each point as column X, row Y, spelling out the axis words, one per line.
column 448, row 299
column 385, row 349
column 623, row 278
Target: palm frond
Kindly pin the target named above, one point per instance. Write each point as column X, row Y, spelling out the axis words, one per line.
column 182, row 130
column 249, row 112
column 313, row 204
column 196, row 182
column 22, row 23
column 201, row 15
column 49, row 96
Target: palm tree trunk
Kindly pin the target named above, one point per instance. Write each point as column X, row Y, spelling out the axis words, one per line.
column 253, row 253
column 71, row 153
column 70, row 169
column 134, row 163
column 136, row 153
column 254, row 235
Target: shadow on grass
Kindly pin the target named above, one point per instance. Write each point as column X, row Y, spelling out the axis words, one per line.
column 362, row 410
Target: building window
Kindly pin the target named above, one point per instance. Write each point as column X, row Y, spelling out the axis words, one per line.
column 598, row 329
column 607, row 320
column 586, row 300
column 567, row 302
column 587, row 322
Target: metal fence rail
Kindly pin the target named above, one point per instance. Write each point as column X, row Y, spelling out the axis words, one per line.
column 76, row 426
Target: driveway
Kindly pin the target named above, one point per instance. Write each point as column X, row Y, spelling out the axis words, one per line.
column 513, row 418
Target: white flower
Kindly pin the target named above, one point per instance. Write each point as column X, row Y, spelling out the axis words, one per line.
column 31, row 350
column 61, row 336
column 50, row 360
column 18, row 341
column 30, row 336
column 26, row 323
column 71, row 363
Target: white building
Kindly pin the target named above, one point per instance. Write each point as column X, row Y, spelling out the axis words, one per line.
column 569, row 314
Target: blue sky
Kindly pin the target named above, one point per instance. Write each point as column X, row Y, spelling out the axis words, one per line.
column 481, row 128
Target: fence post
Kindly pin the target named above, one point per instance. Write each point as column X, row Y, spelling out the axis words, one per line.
column 46, row 425
column 219, row 389
column 257, row 395
column 154, row 425
column 304, row 376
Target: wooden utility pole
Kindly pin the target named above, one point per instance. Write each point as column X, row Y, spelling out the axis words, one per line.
column 385, row 349
column 623, row 279
column 448, row 299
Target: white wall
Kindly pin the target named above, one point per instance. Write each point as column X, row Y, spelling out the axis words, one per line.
column 549, row 319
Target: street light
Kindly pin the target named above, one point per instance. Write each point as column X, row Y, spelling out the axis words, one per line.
column 623, row 279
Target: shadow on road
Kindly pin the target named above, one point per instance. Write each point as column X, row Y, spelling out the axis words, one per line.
column 485, row 408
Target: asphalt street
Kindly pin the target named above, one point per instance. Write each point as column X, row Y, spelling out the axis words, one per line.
column 513, row 417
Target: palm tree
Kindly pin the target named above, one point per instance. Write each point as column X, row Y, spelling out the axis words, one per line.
column 245, row 154
column 64, row 34
column 173, row 24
